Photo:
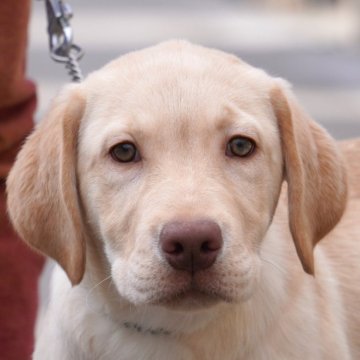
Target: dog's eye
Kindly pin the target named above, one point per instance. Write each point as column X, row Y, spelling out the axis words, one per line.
column 240, row 146
column 125, row 152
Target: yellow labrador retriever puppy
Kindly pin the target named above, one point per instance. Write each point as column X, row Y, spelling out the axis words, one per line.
column 182, row 193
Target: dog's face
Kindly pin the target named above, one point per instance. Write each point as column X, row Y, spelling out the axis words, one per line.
column 185, row 148
column 176, row 164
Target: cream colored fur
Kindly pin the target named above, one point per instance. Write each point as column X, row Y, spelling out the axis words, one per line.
column 270, row 295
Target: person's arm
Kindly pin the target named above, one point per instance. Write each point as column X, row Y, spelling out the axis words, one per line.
column 19, row 266
column 17, row 94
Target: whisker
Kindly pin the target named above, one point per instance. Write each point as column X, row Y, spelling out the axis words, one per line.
column 92, row 289
column 276, row 266
column 258, row 249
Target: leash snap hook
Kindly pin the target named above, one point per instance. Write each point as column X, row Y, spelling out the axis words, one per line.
column 59, row 29
column 60, row 33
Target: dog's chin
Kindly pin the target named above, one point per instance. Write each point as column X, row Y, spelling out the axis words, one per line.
column 191, row 299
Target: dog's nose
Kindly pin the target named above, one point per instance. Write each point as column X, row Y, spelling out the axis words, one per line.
column 191, row 246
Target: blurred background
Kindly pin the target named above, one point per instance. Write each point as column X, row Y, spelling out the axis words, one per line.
column 315, row 44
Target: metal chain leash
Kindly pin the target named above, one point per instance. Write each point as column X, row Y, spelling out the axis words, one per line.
column 62, row 48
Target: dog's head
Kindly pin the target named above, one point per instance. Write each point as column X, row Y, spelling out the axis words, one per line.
column 171, row 160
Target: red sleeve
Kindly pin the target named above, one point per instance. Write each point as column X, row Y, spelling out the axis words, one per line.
column 17, row 94
column 20, row 267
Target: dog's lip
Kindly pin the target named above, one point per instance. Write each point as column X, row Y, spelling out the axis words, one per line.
column 191, row 298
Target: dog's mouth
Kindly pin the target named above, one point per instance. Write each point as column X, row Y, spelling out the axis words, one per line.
column 191, row 298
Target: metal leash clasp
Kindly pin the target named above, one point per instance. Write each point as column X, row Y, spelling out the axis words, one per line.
column 60, row 33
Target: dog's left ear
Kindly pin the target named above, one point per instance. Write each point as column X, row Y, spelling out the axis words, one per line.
column 314, row 172
column 42, row 191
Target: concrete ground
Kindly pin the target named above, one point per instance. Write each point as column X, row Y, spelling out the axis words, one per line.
column 317, row 49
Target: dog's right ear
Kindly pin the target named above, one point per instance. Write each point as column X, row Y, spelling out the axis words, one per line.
column 42, row 187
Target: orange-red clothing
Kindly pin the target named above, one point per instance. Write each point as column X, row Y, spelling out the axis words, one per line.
column 19, row 266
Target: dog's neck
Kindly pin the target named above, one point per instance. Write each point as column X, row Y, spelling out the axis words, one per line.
column 158, row 321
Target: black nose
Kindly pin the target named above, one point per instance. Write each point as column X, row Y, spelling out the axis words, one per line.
column 191, row 246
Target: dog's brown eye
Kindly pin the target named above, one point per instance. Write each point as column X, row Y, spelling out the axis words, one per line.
column 125, row 152
column 240, row 146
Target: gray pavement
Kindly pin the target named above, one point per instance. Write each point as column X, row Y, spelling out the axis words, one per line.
column 322, row 62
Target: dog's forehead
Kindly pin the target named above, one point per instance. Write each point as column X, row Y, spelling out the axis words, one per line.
column 178, row 67
column 176, row 83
